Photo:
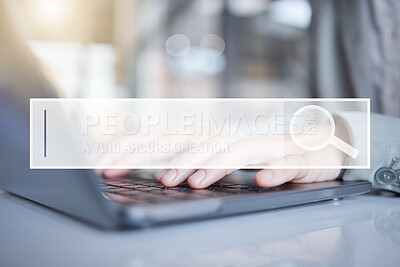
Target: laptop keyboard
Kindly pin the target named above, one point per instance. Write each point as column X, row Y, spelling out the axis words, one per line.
column 146, row 191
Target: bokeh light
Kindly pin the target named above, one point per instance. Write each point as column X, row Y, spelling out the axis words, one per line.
column 177, row 45
column 212, row 45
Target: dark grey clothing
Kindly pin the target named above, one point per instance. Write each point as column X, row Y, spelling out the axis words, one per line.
column 384, row 146
column 355, row 53
column 385, row 51
column 340, row 34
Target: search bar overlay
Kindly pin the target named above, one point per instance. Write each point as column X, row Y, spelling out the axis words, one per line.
column 204, row 133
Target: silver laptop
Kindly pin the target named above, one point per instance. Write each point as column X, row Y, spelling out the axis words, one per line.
column 136, row 200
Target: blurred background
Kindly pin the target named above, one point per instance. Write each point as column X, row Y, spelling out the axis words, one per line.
column 169, row 48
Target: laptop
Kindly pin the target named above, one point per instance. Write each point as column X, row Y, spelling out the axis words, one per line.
column 136, row 200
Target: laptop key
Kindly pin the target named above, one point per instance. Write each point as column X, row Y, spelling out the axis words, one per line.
column 116, row 189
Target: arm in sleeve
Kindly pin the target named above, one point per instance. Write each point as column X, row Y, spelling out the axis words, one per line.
column 384, row 146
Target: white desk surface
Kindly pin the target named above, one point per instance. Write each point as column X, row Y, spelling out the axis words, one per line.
column 358, row 231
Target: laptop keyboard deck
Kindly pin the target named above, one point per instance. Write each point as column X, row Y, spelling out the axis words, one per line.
column 147, row 191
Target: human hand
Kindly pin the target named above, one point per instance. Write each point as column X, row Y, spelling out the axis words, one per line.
column 246, row 152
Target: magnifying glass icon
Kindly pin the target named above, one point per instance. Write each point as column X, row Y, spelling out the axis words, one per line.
column 332, row 139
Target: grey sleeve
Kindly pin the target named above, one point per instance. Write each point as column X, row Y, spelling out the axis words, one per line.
column 384, row 146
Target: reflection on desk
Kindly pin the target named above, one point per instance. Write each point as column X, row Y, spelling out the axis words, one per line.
column 359, row 231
